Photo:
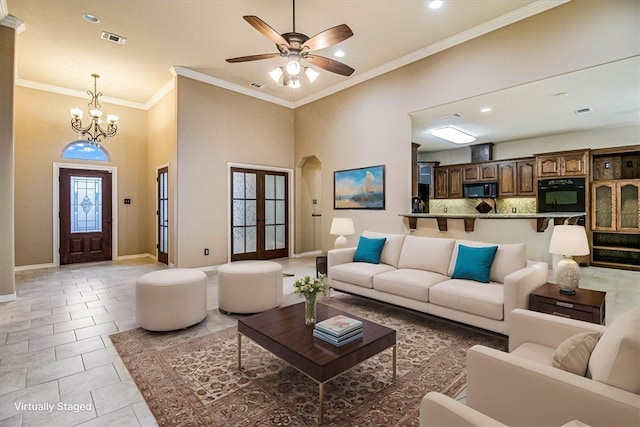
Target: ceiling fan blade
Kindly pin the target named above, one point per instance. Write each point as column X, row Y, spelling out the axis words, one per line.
column 253, row 57
column 330, row 65
column 329, row 37
column 266, row 30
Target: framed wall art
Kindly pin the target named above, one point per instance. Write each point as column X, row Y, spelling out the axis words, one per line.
column 361, row 188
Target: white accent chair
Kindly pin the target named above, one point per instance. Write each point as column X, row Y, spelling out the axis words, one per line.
column 171, row 299
column 523, row 388
column 438, row 410
column 246, row 287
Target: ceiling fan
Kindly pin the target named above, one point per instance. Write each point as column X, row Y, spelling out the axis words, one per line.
column 297, row 46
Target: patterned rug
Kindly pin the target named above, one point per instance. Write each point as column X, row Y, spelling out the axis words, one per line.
column 190, row 377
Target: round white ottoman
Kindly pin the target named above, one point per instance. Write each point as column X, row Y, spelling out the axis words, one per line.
column 171, row 299
column 249, row 286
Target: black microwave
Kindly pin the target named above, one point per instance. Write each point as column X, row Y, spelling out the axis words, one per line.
column 481, row 190
column 561, row 195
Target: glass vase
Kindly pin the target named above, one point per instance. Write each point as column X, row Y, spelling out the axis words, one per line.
column 310, row 310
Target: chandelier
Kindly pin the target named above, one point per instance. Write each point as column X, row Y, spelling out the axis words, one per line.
column 94, row 131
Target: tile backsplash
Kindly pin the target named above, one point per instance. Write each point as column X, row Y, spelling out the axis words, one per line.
column 521, row 205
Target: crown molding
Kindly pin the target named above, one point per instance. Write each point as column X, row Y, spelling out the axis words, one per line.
column 78, row 94
column 204, row 78
column 477, row 31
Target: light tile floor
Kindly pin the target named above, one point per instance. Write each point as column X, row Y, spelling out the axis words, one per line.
column 59, row 368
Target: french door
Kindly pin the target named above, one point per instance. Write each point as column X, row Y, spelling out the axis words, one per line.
column 85, row 215
column 163, row 215
column 259, row 214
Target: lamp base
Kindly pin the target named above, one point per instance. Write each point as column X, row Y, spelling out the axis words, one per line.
column 567, row 276
column 341, row 242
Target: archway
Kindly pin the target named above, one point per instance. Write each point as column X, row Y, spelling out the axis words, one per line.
column 310, row 230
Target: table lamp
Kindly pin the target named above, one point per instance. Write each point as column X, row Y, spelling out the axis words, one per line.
column 568, row 241
column 341, row 227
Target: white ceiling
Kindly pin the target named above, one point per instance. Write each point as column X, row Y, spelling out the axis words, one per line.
column 542, row 108
column 59, row 51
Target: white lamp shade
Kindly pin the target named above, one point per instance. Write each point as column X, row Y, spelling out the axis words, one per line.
column 342, row 227
column 569, row 240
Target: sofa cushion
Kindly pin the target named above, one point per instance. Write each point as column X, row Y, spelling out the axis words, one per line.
column 369, row 250
column 509, row 258
column 358, row 273
column 392, row 247
column 408, row 283
column 614, row 360
column 474, row 263
column 572, row 355
column 482, row 299
column 426, row 253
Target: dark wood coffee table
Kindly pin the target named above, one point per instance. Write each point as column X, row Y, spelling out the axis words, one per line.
column 283, row 332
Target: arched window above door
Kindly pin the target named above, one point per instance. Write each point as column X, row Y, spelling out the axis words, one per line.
column 83, row 150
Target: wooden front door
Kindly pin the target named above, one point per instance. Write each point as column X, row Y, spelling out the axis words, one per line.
column 163, row 215
column 260, row 214
column 85, row 215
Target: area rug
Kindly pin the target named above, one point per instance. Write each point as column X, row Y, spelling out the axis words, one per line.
column 190, row 377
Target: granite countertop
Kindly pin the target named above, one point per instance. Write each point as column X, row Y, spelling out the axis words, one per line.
column 542, row 219
column 497, row 215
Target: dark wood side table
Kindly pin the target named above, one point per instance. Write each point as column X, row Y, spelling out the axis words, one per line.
column 586, row 305
column 321, row 265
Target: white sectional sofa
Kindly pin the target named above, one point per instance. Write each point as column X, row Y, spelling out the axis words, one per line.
column 415, row 272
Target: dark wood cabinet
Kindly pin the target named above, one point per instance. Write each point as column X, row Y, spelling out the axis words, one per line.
column 525, row 174
column 441, row 178
column 570, row 163
column 480, row 172
column 507, row 179
column 586, row 305
column 455, row 182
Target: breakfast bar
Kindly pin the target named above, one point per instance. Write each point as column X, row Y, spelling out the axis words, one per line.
column 542, row 219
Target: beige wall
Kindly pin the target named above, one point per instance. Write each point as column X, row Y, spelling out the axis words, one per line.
column 7, row 77
column 369, row 124
column 42, row 131
column 215, row 127
column 162, row 151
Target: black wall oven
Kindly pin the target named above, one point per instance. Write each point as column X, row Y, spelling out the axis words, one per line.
column 561, row 195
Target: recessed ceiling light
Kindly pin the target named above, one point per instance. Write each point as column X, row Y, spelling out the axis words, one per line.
column 486, row 110
column 435, row 4
column 339, row 53
column 90, row 18
column 452, row 134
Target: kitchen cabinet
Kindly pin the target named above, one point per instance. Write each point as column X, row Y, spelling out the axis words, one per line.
column 455, row 182
column 516, row 178
column 616, row 223
column 441, row 179
column 480, row 172
column 448, row 182
column 569, row 163
column 507, row 179
column 526, row 174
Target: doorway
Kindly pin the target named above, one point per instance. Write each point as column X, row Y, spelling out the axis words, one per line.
column 259, row 214
column 85, row 215
column 163, row 215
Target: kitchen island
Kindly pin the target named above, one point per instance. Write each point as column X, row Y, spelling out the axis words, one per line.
column 542, row 219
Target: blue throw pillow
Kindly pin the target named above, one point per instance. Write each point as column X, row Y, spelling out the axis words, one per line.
column 369, row 250
column 474, row 263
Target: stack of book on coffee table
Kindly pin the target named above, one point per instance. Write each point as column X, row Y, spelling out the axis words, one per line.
column 338, row 330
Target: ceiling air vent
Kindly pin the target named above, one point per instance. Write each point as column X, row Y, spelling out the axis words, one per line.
column 257, row 85
column 583, row 110
column 114, row 38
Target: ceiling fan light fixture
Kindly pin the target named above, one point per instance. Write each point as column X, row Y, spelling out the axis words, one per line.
column 451, row 134
column 293, row 65
column 275, row 74
column 294, row 82
column 312, row 74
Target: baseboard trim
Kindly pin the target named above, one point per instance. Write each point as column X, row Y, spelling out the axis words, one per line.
column 136, row 256
column 309, row 253
column 8, row 297
column 34, row 266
